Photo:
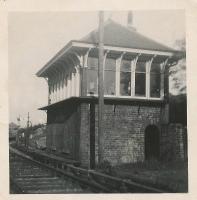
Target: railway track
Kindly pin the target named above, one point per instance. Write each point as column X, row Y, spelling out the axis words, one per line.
column 31, row 176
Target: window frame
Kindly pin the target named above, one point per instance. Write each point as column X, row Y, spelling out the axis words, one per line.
column 133, row 63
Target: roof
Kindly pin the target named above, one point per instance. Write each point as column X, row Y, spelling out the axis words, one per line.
column 115, row 36
column 119, row 35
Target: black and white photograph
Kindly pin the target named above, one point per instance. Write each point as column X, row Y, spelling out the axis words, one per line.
column 97, row 102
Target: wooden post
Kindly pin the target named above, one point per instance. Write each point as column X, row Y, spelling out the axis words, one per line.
column 27, row 132
column 92, row 136
column 84, row 81
column 100, row 89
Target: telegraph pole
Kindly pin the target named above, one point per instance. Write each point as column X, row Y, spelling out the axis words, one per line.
column 100, row 89
column 28, row 120
column 27, row 132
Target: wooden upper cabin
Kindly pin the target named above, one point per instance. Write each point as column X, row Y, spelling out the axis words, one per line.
column 135, row 67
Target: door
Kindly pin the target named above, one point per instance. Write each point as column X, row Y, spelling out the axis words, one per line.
column 152, row 143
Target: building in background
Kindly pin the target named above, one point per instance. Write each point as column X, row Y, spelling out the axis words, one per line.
column 13, row 129
column 136, row 95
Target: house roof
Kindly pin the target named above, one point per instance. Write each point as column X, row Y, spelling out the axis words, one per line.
column 115, row 35
column 119, row 35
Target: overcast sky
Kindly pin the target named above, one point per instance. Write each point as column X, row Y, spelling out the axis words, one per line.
column 34, row 37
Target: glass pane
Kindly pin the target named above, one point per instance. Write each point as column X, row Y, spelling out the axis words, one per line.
column 110, row 64
column 155, row 85
column 92, row 81
column 125, row 83
column 155, row 68
column 109, row 82
column 125, row 66
column 140, row 84
column 141, row 67
column 92, row 62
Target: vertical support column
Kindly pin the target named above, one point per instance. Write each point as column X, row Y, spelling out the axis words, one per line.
column 59, row 86
column 117, row 89
column 55, row 88
column 77, row 81
column 148, row 70
column 148, row 67
column 83, row 74
column 52, row 89
column 74, row 84
column 66, row 82
column 133, row 68
column 165, row 107
column 118, row 64
column 84, row 81
column 164, row 92
column 69, row 85
column 62, row 86
column 49, row 90
column 100, row 90
column 92, row 136
column 162, row 81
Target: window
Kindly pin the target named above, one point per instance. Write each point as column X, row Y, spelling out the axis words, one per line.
column 110, row 76
column 125, row 78
column 140, row 79
column 92, row 73
column 155, row 80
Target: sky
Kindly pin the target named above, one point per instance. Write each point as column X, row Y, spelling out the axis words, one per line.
column 35, row 37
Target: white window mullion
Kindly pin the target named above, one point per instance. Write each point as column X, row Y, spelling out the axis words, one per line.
column 51, row 86
column 117, row 89
column 162, row 80
column 69, row 85
column 58, row 87
column 148, row 65
column 63, row 87
column 133, row 69
column 66, row 86
column 77, row 81
column 118, row 64
column 55, row 89
column 73, row 84
column 133, row 66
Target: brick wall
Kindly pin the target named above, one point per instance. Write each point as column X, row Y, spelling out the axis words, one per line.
column 63, row 130
column 68, row 131
column 174, row 142
column 124, row 127
column 84, row 152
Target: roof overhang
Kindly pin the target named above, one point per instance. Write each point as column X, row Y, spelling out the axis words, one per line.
column 83, row 47
column 107, row 100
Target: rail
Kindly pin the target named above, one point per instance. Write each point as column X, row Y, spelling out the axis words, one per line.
column 103, row 182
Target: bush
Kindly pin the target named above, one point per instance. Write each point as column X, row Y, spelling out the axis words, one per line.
column 104, row 167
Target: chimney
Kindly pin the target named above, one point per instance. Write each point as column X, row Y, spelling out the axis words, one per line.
column 130, row 21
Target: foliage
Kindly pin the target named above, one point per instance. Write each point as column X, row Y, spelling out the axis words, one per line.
column 104, row 167
column 31, row 128
column 178, row 72
column 178, row 108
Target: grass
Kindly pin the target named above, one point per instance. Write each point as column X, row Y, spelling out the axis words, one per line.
column 171, row 176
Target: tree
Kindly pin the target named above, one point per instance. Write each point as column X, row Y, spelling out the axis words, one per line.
column 178, row 98
column 178, row 72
